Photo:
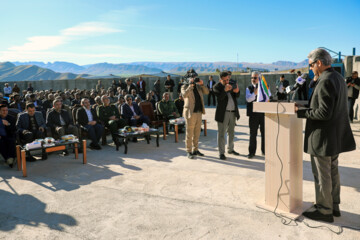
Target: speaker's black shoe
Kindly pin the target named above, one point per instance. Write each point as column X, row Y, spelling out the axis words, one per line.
column 197, row 153
column 336, row 213
column 222, row 157
column 233, row 152
column 318, row 216
column 250, row 155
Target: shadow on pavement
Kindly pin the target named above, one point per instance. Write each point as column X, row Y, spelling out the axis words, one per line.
column 28, row 210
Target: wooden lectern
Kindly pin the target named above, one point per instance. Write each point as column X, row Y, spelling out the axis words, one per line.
column 290, row 149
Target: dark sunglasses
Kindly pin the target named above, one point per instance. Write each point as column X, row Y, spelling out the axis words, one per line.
column 254, row 77
column 129, row 99
column 312, row 64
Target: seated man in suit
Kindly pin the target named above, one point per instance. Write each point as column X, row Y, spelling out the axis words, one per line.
column 88, row 119
column 132, row 113
column 17, row 103
column 110, row 116
column 37, row 102
column 76, row 100
column 59, row 120
column 30, row 126
column 7, row 135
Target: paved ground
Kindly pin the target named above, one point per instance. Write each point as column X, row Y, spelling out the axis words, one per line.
column 157, row 193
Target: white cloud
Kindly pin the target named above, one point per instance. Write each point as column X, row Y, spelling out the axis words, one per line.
column 90, row 29
column 82, row 30
column 39, row 43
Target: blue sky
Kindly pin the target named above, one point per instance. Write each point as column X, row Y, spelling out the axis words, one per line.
column 89, row 31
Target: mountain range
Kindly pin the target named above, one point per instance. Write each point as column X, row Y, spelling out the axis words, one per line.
column 11, row 72
column 18, row 71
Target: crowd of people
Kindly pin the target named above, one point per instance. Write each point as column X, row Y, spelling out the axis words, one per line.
column 29, row 115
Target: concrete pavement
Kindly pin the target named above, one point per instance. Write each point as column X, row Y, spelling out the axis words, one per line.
column 158, row 193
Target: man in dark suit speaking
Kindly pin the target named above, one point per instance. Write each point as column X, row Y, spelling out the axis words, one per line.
column 327, row 134
column 226, row 113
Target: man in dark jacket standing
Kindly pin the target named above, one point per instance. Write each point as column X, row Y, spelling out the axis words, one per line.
column 141, row 85
column 226, row 113
column 353, row 84
column 88, row 119
column 211, row 83
column 256, row 119
column 327, row 134
column 169, row 86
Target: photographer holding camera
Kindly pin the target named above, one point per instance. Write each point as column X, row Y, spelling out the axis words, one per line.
column 226, row 112
column 353, row 84
column 281, row 85
column 192, row 91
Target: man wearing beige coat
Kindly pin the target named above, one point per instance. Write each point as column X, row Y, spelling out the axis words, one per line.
column 193, row 109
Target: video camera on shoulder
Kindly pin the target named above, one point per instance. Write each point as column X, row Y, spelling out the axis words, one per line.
column 233, row 83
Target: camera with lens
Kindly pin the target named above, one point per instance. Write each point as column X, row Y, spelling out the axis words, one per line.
column 233, row 83
column 196, row 80
column 191, row 74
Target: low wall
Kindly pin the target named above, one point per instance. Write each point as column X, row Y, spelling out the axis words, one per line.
column 243, row 81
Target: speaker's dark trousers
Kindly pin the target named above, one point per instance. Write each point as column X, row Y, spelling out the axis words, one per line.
column 256, row 120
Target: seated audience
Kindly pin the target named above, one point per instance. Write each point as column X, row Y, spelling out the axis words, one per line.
column 110, row 116
column 30, row 126
column 167, row 108
column 179, row 103
column 132, row 113
column 120, row 102
column 47, row 104
column 149, row 98
column 138, row 100
column 134, row 94
column 17, row 103
column 37, row 102
column 77, row 100
column 92, row 98
column 7, row 135
column 88, row 119
column 59, row 120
